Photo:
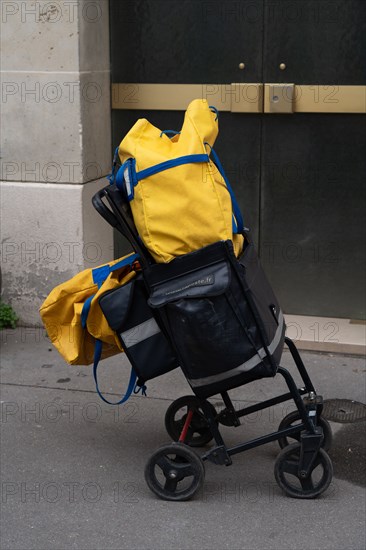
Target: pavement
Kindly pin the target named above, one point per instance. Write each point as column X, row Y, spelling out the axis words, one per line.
column 72, row 467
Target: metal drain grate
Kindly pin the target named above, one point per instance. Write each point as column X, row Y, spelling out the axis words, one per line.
column 344, row 410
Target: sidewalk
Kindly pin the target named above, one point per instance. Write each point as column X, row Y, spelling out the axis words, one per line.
column 73, row 467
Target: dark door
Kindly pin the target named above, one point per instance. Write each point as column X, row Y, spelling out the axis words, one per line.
column 299, row 177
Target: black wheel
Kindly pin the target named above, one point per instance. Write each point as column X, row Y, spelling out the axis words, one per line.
column 294, row 418
column 174, row 472
column 288, row 478
column 199, row 433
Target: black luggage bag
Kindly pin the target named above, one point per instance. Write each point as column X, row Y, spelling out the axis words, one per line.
column 221, row 315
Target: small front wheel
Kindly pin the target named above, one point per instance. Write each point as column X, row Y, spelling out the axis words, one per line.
column 174, row 472
column 287, row 474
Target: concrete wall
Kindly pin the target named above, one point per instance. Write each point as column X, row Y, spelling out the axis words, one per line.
column 55, row 145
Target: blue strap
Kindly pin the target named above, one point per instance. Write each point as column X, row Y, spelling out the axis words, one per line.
column 134, row 177
column 173, row 132
column 131, row 384
column 238, row 222
column 100, row 274
column 85, row 311
column 187, row 159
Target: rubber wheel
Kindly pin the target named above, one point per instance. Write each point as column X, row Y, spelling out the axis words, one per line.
column 199, row 433
column 174, row 472
column 287, row 477
column 294, row 418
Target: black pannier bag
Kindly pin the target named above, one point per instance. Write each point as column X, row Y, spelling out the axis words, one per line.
column 221, row 314
column 146, row 346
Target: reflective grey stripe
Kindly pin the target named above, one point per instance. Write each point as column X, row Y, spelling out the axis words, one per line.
column 248, row 365
column 277, row 338
column 139, row 333
column 244, row 367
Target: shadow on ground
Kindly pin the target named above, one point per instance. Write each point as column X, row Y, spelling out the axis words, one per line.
column 348, row 453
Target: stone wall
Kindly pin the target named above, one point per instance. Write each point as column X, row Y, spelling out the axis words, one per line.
column 55, row 145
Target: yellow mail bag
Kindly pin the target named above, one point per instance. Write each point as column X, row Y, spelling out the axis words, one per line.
column 179, row 195
column 73, row 318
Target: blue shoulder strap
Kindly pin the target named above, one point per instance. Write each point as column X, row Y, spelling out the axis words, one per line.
column 127, row 178
column 100, row 274
column 131, row 383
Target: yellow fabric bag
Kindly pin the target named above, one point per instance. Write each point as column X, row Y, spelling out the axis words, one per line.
column 181, row 207
column 63, row 310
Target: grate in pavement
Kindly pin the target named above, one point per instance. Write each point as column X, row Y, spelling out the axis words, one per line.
column 344, row 410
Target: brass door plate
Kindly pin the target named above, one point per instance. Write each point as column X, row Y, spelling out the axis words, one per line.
column 236, row 98
column 271, row 98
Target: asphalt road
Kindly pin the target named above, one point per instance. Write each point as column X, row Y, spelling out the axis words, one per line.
column 72, row 467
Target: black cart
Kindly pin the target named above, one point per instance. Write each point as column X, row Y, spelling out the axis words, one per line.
column 223, row 322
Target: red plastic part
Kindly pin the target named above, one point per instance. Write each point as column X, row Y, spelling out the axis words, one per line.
column 183, row 435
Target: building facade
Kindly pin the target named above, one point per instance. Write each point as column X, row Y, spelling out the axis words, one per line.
column 289, row 82
column 55, row 145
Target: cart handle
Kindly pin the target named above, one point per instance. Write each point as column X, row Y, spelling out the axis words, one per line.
column 103, row 210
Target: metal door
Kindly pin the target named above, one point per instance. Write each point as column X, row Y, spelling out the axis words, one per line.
column 294, row 152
